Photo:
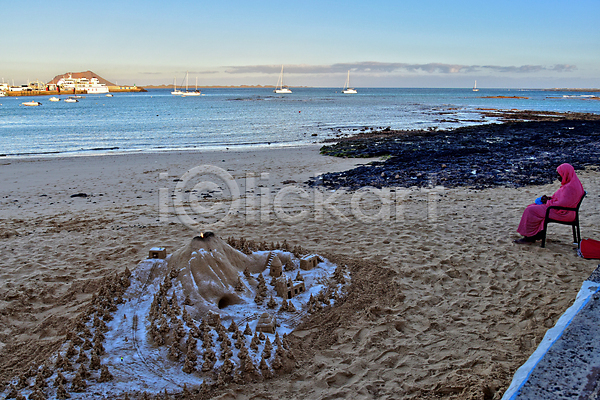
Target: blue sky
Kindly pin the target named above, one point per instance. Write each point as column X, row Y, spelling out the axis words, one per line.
column 425, row 43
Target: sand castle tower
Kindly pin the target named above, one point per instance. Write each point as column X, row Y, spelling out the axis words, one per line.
column 274, row 265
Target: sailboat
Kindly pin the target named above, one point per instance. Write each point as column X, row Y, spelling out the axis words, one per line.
column 475, row 87
column 347, row 89
column 187, row 92
column 281, row 88
column 176, row 92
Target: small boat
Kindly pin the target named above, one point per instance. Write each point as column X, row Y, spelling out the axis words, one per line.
column 53, row 99
column 71, row 100
column 475, row 87
column 176, row 92
column 188, row 93
column 281, row 88
column 109, row 95
column 32, row 103
column 347, row 89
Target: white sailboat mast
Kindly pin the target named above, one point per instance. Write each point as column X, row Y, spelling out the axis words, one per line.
column 281, row 78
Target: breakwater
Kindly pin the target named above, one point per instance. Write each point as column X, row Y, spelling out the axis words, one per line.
column 111, row 89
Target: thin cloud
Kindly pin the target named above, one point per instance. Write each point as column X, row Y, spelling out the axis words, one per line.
column 253, row 69
column 564, row 68
column 372, row 67
column 512, row 69
column 191, row 73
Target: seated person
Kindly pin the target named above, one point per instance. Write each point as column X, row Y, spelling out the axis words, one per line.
column 569, row 194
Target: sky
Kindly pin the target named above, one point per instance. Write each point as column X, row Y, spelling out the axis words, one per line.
column 383, row 43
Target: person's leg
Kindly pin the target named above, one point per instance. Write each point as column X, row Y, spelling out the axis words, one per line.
column 532, row 221
column 538, row 236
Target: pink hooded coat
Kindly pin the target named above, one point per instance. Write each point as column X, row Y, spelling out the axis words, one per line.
column 568, row 195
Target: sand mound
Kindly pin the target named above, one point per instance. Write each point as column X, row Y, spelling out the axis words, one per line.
column 208, row 270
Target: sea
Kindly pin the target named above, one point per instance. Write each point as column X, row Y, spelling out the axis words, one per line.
column 239, row 118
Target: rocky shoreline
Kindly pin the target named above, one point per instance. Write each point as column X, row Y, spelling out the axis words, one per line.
column 524, row 149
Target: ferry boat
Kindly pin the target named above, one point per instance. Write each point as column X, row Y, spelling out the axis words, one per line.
column 91, row 86
column 96, row 87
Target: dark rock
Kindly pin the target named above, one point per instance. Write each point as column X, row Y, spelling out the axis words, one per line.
column 511, row 154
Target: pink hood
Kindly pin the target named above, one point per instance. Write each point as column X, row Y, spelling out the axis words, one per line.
column 571, row 189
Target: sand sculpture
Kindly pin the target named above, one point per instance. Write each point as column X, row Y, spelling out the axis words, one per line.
column 274, row 265
column 158, row 252
column 288, row 288
column 266, row 323
column 309, row 262
column 184, row 315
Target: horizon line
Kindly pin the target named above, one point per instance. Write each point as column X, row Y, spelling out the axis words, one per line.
column 171, row 86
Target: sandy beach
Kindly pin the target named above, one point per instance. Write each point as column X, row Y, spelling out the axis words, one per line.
column 442, row 304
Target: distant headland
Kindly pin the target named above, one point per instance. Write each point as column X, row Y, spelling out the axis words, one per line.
column 86, row 82
column 573, row 90
column 88, row 75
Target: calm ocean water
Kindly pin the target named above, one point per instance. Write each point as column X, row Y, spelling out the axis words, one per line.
column 158, row 121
